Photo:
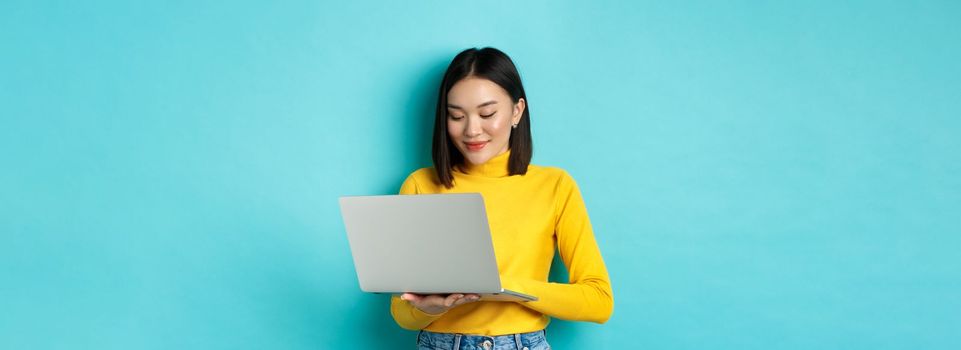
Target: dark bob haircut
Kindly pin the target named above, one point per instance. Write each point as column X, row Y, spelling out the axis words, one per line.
column 491, row 64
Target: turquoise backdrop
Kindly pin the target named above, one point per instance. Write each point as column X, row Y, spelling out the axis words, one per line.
column 760, row 175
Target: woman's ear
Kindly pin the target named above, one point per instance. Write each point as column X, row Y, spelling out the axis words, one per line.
column 518, row 111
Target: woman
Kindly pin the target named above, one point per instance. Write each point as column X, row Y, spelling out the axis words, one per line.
column 482, row 143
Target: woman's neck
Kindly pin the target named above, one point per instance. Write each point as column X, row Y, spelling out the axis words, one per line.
column 494, row 167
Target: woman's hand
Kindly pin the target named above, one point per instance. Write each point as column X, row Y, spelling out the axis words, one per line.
column 436, row 304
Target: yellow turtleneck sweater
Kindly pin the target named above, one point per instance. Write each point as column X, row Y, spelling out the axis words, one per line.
column 528, row 215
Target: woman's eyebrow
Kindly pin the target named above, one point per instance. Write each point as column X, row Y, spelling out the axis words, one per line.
column 488, row 103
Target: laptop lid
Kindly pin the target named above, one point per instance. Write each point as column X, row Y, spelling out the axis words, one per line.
column 425, row 244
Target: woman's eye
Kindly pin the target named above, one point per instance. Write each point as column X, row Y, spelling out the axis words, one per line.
column 488, row 116
column 456, row 117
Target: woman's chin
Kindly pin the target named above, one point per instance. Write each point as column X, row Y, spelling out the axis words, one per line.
column 477, row 159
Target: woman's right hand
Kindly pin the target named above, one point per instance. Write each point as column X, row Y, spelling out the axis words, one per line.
column 436, row 304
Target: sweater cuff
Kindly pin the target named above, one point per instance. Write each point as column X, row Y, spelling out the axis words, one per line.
column 423, row 316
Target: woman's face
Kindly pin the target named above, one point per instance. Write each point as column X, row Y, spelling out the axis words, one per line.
column 479, row 118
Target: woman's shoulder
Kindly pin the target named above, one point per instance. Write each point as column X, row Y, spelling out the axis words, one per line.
column 423, row 175
column 550, row 172
column 424, row 172
column 423, row 180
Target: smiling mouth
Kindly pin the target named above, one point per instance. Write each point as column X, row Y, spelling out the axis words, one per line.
column 475, row 146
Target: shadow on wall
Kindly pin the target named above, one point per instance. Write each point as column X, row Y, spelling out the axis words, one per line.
column 561, row 331
column 418, row 119
column 378, row 329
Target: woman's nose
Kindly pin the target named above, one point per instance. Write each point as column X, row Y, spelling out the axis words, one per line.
column 472, row 128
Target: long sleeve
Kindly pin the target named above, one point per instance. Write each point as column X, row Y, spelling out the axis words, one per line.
column 409, row 317
column 406, row 315
column 588, row 296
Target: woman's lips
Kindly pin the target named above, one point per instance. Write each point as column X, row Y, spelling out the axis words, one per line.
column 475, row 146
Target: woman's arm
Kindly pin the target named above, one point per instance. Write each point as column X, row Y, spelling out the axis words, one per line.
column 588, row 296
column 409, row 317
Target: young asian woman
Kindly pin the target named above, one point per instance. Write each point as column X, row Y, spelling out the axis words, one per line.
column 482, row 144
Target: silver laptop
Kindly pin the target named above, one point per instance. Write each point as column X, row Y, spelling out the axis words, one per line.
column 424, row 244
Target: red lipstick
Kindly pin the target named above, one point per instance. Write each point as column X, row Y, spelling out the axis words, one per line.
column 475, row 146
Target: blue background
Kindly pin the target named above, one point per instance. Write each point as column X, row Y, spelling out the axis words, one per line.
column 759, row 175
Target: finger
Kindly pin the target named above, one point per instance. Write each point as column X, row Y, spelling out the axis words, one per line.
column 462, row 301
column 468, row 298
column 411, row 297
column 449, row 301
